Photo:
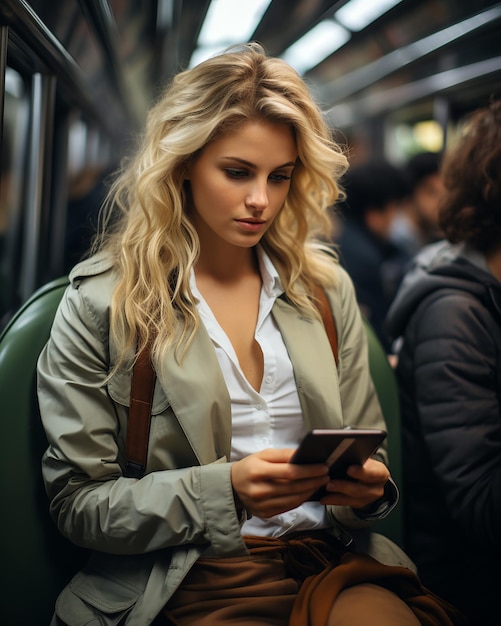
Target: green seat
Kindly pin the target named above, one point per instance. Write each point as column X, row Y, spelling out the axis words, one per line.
column 37, row 560
column 385, row 382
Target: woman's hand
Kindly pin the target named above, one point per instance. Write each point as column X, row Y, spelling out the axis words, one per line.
column 366, row 485
column 266, row 484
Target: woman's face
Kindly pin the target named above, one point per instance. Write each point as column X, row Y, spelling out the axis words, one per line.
column 239, row 183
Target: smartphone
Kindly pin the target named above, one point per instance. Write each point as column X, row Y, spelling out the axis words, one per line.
column 338, row 448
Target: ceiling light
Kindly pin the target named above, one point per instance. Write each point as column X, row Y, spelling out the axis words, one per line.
column 357, row 14
column 317, row 44
column 227, row 22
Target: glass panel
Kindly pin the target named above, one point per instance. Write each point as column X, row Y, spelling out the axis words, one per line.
column 13, row 170
column 89, row 168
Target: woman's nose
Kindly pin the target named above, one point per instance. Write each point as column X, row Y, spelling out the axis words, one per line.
column 257, row 198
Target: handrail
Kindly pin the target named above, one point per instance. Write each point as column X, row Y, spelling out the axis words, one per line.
column 367, row 75
column 397, row 97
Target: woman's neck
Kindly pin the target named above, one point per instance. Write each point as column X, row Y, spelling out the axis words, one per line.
column 228, row 265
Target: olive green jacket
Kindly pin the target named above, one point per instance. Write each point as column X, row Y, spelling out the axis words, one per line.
column 147, row 533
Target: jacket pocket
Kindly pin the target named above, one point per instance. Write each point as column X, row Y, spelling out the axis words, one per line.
column 90, row 600
column 103, row 592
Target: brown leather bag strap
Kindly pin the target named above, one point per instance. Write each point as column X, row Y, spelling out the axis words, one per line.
column 328, row 319
column 138, row 426
column 143, row 385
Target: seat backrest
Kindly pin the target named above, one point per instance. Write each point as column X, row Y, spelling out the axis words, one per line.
column 386, row 386
column 36, row 560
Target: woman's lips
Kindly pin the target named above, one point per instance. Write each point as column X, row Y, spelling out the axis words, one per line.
column 251, row 225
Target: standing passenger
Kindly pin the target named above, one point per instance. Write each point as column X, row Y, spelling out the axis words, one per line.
column 375, row 193
column 449, row 314
column 417, row 224
column 211, row 259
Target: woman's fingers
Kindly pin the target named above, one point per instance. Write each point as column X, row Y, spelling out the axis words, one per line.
column 267, row 484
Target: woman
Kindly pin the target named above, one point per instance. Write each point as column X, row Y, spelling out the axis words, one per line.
column 212, row 264
column 448, row 313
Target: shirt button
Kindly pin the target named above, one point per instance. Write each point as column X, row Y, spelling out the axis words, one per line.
column 268, row 379
column 264, row 441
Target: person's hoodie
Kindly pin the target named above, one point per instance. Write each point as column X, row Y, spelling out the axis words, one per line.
column 443, row 265
column 447, row 319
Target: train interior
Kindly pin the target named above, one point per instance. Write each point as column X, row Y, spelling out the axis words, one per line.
column 76, row 80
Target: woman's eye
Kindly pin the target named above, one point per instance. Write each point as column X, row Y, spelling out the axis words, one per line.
column 278, row 178
column 232, row 173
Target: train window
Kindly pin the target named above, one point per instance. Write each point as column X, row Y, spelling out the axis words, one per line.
column 89, row 164
column 13, row 169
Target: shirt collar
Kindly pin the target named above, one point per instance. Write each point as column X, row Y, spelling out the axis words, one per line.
column 271, row 280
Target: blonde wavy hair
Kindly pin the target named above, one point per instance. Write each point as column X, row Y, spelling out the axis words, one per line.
column 147, row 229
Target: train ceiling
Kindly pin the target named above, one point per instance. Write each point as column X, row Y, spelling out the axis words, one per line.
column 416, row 53
column 413, row 50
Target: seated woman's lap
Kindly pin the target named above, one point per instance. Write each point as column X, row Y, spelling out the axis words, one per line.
column 246, row 591
column 253, row 590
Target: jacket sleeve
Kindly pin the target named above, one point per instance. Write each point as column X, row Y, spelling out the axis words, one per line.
column 456, row 387
column 93, row 504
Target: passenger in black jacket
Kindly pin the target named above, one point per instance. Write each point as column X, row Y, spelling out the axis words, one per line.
column 448, row 316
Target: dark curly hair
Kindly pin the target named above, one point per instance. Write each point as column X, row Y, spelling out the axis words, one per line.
column 471, row 208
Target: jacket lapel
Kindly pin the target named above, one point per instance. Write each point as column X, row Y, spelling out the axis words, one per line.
column 198, row 395
column 314, row 366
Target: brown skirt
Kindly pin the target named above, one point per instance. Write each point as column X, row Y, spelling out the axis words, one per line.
column 293, row 581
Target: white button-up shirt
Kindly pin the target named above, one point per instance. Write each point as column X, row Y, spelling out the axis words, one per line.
column 270, row 418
